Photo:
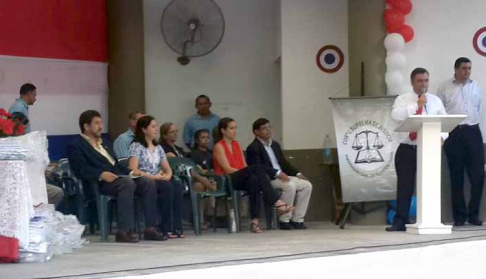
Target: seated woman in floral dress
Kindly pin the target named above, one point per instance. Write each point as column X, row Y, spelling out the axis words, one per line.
column 148, row 159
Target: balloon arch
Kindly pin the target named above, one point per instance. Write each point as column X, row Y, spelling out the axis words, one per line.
column 398, row 34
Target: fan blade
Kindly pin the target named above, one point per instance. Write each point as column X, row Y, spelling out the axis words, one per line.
column 209, row 26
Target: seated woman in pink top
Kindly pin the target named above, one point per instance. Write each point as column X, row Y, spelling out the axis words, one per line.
column 228, row 159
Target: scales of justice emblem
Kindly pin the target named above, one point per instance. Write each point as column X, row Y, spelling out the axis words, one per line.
column 370, row 153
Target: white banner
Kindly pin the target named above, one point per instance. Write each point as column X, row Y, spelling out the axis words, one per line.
column 366, row 145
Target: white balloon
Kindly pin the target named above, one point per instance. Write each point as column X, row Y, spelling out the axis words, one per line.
column 395, row 61
column 394, row 42
column 393, row 79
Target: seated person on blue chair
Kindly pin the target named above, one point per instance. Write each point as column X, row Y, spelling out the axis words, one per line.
column 168, row 139
column 228, row 159
column 121, row 146
column 148, row 159
column 92, row 161
column 202, row 156
column 296, row 188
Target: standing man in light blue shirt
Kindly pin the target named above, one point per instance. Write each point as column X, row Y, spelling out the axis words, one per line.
column 27, row 98
column 28, row 95
column 203, row 119
column 464, row 147
column 121, row 146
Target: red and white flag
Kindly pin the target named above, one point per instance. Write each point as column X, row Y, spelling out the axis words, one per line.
column 62, row 48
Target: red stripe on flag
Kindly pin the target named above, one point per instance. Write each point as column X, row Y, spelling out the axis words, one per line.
column 60, row 29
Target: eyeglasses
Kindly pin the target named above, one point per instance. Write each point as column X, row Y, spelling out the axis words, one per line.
column 266, row 128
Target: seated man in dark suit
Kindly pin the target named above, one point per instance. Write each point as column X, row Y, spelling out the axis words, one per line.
column 296, row 188
column 92, row 161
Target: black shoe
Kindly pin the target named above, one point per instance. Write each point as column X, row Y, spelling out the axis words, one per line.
column 396, row 229
column 298, row 225
column 459, row 223
column 284, row 226
column 475, row 222
column 154, row 235
column 125, row 236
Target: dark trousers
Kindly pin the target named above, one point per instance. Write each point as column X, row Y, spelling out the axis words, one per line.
column 406, row 168
column 170, row 194
column 125, row 189
column 464, row 150
column 254, row 179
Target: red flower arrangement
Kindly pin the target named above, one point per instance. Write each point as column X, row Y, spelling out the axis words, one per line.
column 8, row 126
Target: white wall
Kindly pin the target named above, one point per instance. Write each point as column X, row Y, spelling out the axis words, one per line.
column 278, row 29
column 240, row 76
column 444, row 32
column 306, row 27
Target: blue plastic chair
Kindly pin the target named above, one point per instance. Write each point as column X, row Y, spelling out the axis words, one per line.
column 83, row 201
column 181, row 168
column 271, row 217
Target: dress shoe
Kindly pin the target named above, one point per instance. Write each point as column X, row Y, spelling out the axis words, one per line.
column 396, row 229
column 284, row 226
column 475, row 222
column 125, row 236
column 459, row 223
column 298, row 225
column 153, row 234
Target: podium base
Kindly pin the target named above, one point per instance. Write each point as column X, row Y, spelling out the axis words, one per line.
column 429, row 229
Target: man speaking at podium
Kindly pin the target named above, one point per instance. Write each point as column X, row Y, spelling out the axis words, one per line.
column 412, row 103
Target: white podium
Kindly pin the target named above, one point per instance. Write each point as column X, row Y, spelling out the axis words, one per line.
column 429, row 152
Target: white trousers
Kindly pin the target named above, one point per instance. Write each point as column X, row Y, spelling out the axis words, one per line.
column 296, row 192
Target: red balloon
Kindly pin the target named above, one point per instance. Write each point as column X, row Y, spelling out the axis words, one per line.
column 407, row 32
column 404, row 6
column 391, row 2
column 394, row 19
column 391, row 30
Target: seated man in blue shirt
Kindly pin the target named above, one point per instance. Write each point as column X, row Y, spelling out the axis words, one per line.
column 203, row 119
column 122, row 143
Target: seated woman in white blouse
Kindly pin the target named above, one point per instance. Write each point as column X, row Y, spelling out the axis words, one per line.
column 148, row 159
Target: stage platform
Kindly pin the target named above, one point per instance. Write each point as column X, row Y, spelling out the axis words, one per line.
column 247, row 255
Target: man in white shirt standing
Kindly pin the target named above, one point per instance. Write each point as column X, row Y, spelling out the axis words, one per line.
column 412, row 103
column 464, row 147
